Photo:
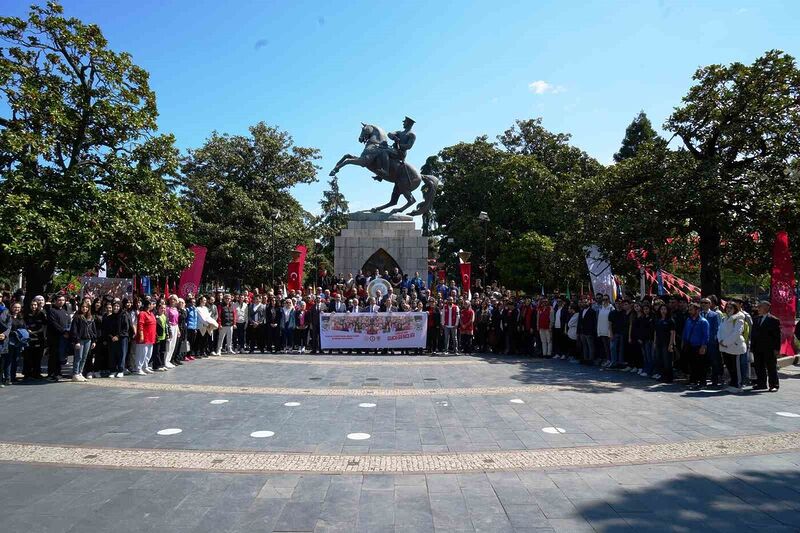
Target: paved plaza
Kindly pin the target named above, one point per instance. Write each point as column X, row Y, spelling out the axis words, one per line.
column 391, row 443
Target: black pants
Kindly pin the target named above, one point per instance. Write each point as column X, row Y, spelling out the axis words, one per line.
column 698, row 365
column 558, row 342
column 191, row 336
column 766, row 364
column 732, row 364
column 254, row 337
column 432, row 342
column 158, row 354
column 665, row 357
column 273, row 338
column 238, row 336
column 465, row 343
column 313, row 332
column 32, row 361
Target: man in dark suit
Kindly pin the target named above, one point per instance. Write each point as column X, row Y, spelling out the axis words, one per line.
column 587, row 331
column 765, row 343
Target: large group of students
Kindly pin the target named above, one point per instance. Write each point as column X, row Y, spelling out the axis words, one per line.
column 663, row 338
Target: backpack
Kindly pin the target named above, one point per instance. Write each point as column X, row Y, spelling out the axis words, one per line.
column 19, row 338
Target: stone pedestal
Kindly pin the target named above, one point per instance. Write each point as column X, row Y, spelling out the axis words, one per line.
column 378, row 240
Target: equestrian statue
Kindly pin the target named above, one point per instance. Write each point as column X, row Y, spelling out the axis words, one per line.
column 388, row 163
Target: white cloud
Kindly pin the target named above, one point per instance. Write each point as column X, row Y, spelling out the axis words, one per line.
column 542, row 87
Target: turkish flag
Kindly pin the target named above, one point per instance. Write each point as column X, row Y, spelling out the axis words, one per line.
column 294, row 279
column 441, row 276
column 466, row 276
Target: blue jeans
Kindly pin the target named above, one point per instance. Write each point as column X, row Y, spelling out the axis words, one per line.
column 287, row 337
column 744, row 369
column 649, row 357
column 119, row 351
column 10, row 362
column 617, row 350
column 82, row 348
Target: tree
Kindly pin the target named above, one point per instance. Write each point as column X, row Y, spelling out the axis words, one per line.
column 637, row 133
column 237, row 191
column 82, row 171
column 526, row 185
column 741, row 126
column 333, row 218
column 730, row 181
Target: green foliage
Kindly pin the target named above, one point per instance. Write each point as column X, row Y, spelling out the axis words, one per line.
column 82, row 170
column 237, row 191
column 526, row 185
column 729, row 181
column 526, row 256
column 638, row 132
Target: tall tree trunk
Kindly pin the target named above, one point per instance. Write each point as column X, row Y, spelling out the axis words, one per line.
column 37, row 279
column 710, row 257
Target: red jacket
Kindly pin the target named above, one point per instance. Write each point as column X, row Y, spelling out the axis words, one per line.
column 544, row 317
column 146, row 328
column 530, row 312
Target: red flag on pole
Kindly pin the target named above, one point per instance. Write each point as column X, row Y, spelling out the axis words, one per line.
column 293, row 281
column 784, row 303
column 190, row 278
column 466, row 278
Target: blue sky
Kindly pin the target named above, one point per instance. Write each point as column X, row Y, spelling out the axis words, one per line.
column 460, row 69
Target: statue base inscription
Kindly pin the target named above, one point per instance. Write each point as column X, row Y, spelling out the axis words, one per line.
column 380, row 241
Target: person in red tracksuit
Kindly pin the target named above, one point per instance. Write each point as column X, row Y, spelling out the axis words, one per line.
column 466, row 327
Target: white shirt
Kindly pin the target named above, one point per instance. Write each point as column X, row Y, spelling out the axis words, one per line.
column 603, row 329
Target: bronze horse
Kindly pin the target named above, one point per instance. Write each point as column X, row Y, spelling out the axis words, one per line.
column 405, row 177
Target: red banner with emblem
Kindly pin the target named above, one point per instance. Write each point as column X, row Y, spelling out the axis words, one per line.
column 190, row 278
column 784, row 303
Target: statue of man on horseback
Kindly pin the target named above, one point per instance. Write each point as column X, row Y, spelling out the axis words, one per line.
column 389, row 164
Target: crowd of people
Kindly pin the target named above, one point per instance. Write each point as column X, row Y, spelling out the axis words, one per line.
column 663, row 338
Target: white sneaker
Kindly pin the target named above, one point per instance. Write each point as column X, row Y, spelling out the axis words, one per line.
column 76, row 377
column 169, row 365
column 148, row 371
column 139, row 373
column 112, row 375
column 120, row 375
column 89, row 376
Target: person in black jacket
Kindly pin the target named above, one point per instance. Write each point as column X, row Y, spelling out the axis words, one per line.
column 765, row 343
column 587, row 331
column 36, row 323
column 58, row 324
column 83, row 335
column 117, row 332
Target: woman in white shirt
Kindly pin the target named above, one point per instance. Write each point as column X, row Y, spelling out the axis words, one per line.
column 732, row 343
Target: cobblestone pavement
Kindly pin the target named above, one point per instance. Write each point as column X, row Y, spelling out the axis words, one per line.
column 256, row 462
column 383, row 443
